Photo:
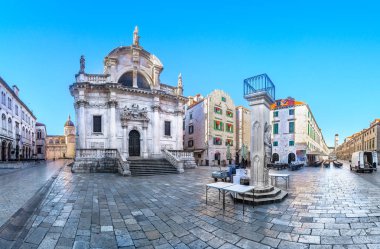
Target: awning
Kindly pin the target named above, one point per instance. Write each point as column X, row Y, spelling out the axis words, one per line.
column 313, row 153
column 198, row 151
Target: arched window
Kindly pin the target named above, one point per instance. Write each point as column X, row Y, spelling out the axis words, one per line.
column 56, row 141
column 10, row 124
column 4, row 121
column 51, row 141
column 127, row 80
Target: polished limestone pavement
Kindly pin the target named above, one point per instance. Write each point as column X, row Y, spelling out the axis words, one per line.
column 19, row 185
column 326, row 208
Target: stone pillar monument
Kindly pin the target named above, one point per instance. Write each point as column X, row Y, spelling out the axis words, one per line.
column 259, row 91
column 260, row 145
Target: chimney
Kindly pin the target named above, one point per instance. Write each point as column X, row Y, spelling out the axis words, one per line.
column 15, row 90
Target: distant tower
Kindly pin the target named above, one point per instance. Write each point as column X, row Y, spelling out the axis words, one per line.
column 69, row 130
column 336, row 143
column 180, row 85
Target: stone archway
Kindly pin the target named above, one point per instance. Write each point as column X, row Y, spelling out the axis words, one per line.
column 275, row 157
column 17, row 152
column 3, row 150
column 134, row 147
column 291, row 157
column 9, row 150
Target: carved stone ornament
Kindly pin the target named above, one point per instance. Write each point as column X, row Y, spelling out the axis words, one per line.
column 134, row 113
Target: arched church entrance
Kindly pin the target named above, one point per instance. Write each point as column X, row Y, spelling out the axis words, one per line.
column 134, row 143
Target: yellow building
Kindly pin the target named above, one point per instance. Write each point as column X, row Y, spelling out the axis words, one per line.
column 61, row 146
column 367, row 139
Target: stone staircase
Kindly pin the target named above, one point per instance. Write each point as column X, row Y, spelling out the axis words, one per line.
column 148, row 167
column 267, row 196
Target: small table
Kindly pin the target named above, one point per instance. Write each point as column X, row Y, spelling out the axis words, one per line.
column 283, row 176
column 219, row 186
column 240, row 189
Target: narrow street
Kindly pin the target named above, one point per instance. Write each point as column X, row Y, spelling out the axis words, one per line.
column 19, row 185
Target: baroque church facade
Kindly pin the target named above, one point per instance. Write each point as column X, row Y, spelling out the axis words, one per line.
column 128, row 108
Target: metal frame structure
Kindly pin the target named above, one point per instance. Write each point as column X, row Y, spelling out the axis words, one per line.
column 259, row 83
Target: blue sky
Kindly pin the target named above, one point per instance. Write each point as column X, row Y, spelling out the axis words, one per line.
column 326, row 54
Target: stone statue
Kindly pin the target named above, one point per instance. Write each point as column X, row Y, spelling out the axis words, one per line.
column 82, row 62
column 267, row 144
column 136, row 36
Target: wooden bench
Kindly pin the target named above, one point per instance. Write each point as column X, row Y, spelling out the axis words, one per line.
column 283, row 176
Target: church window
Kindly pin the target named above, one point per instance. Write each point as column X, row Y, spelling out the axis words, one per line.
column 97, row 124
column 167, row 128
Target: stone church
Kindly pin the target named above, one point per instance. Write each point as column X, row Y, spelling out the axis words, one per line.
column 60, row 146
column 127, row 108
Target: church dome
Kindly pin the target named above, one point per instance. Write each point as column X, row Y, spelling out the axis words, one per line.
column 69, row 122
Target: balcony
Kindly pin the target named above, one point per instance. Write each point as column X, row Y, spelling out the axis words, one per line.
column 259, row 83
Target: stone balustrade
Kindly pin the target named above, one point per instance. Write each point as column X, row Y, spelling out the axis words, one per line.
column 182, row 154
column 168, row 89
column 175, row 161
column 96, row 153
column 92, row 78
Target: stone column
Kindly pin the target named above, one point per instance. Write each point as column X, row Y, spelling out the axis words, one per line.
column 125, row 142
column 81, row 124
column 260, row 110
column 145, row 141
column 112, row 128
column 156, row 128
column 179, row 130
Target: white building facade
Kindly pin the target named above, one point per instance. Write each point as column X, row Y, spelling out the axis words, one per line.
column 209, row 127
column 40, row 141
column 128, row 108
column 18, row 125
column 296, row 136
column 243, row 133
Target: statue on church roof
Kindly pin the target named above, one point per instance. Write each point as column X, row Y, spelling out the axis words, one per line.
column 82, row 63
column 136, row 37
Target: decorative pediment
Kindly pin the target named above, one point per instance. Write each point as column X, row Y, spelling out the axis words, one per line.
column 134, row 113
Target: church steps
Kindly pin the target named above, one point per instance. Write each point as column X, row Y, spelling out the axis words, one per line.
column 146, row 167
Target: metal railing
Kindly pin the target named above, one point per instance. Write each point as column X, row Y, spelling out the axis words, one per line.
column 259, row 83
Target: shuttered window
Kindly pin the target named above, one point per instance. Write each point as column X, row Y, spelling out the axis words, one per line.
column 167, row 128
column 97, row 124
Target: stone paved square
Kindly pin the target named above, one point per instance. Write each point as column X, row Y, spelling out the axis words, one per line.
column 326, row 208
